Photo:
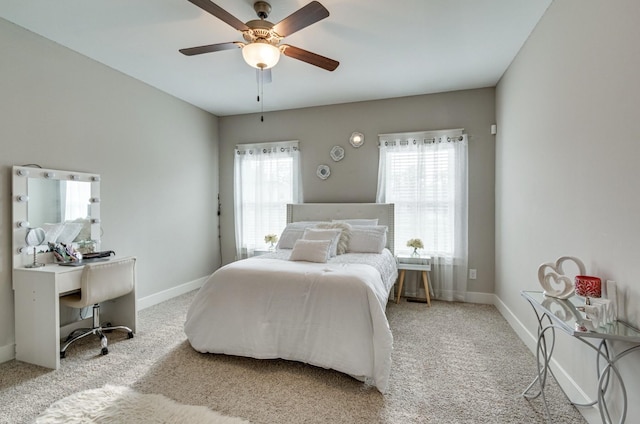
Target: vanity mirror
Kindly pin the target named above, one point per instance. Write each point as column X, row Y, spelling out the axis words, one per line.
column 64, row 204
column 35, row 237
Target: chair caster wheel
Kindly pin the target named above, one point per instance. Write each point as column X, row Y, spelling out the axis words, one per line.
column 105, row 350
column 130, row 334
column 63, row 354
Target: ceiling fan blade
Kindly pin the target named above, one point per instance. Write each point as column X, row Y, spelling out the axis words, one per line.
column 303, row 17
column 220, row 13
column 266, row 75
column 311, row 58
column 191, row 51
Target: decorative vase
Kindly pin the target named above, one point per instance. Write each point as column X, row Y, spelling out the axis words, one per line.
column 415, row 253
column 271, row 247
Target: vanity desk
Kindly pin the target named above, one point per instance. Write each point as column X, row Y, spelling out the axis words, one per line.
column 37, row 311
column 58, row 207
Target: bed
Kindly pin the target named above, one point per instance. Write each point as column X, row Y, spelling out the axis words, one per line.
column 328, row 314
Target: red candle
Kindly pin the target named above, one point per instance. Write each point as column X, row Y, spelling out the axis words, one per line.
column 588, row 286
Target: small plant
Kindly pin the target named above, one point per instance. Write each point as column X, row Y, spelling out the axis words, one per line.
column 272, row 239
column 416, row 243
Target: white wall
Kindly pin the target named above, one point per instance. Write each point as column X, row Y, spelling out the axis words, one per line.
column 568, row 112
column 354, row 179
column 157, row 156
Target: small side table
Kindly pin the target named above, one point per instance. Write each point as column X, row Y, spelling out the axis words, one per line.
column 258, row 252
column 410, row 263
column 563, row 314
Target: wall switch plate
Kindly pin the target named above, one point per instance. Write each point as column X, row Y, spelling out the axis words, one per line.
column 472, row 274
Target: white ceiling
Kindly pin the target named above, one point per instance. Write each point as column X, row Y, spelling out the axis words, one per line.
column 385, row 48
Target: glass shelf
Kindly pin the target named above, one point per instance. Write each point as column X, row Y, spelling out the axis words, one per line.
column 565, row 314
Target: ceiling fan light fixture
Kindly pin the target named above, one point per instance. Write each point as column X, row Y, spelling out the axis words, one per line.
column 261, row 55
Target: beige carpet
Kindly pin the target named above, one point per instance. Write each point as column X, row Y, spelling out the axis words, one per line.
column 452, row 363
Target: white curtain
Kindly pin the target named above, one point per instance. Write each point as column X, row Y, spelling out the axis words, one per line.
column 425, row 175
column 266, row 177
column 76, row 196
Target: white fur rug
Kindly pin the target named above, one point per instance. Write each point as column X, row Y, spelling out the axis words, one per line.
column 117, row 404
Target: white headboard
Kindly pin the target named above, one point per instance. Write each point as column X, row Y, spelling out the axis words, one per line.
column 328, row 211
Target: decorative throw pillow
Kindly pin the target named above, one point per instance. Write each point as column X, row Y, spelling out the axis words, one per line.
column 345, row 235
column 293, row 232
column 311, row 250
column 358, row 221
column 367, row 239
column 332, row 234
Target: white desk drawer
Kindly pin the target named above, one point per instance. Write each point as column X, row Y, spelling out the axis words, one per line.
column 69, row 281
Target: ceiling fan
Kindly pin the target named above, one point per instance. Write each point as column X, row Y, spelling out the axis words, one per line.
column 262, row 48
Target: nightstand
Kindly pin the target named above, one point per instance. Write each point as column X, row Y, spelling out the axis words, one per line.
column 258, row 252
column 414, row 263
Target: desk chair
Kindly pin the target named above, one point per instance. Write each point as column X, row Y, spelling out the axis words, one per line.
column 101, row 281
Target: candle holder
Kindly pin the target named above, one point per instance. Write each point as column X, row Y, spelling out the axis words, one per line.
column 588, row 287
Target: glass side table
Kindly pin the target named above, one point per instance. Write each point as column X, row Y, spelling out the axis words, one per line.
column 552, row 314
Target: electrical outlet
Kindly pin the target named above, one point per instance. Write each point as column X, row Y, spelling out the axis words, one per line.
column 472, row 274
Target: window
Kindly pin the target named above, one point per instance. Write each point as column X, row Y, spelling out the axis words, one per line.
column 76, row 196
column 425, row 176
column 267, row 177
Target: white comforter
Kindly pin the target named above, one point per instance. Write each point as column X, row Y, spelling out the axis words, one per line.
column 330, row 315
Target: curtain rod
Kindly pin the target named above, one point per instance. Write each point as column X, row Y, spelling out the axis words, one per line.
column 266, row 144
column 424, row 134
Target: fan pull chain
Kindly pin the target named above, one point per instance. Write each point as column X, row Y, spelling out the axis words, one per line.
column 261, row 96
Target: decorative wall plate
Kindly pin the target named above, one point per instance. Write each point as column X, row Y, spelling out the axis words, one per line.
column 337, row 153
column 323, row 172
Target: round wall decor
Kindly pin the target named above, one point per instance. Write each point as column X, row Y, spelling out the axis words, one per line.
column 337, row 153
column 323, row 172
column 356, row 139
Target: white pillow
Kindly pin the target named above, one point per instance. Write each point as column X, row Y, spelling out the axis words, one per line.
column 311, row 250
column 359, row 221
column 367, row 239
column 331, row 234
column 345, row 235
column 293, row 232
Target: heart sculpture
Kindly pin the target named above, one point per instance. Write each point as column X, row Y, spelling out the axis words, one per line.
column 553, row 279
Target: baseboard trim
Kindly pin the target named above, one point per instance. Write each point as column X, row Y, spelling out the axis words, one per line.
column 7, row 352
column 479, row 297
column 154, row 299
